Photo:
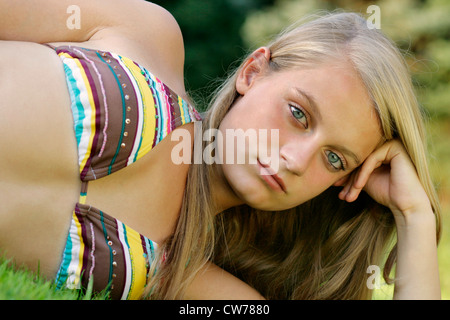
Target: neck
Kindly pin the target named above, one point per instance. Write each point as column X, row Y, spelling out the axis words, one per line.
column 223, row 196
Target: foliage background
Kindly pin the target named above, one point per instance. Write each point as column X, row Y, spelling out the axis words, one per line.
column 217, row 33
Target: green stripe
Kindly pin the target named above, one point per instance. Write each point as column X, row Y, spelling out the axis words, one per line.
column 123, row 113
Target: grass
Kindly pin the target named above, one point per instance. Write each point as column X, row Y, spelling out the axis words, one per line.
column 21, row 284
column 25, row 285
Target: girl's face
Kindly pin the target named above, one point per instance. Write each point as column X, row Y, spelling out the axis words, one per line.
column 326, row 126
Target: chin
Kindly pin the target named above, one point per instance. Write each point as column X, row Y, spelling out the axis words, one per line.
column 260, row 198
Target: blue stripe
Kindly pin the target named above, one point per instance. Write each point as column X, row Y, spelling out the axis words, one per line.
column 186, row 111
column 61, row 276
column 76, row 106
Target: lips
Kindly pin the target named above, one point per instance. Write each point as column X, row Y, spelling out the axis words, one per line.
column 271, row 178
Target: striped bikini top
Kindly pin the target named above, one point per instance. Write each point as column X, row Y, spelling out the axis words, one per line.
column 121, row 111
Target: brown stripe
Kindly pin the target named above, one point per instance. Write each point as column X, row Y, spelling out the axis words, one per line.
column 104, row 251
column 117, row 114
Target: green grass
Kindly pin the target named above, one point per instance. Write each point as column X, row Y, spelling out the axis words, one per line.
column 25, row 285
column 21, row 284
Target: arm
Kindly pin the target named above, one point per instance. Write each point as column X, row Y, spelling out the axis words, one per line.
column 136, row 25
column 47, row 20
column 390, row 178
column 417, row 261
column 214, row 283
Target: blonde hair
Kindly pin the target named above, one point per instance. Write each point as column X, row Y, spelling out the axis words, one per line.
column 322, row 248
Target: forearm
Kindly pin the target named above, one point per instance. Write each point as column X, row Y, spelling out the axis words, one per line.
column 417, row 271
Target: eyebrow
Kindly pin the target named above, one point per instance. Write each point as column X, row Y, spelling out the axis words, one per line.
column 311, row 101
column 316, row 111
column 350, row 154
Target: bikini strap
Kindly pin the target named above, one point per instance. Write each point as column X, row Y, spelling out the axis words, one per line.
column 83, row 192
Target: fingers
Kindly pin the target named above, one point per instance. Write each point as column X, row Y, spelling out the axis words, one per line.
column 348, row 185
column 355, row 185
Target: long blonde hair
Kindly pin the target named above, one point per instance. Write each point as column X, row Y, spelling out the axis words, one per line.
column 322, row 248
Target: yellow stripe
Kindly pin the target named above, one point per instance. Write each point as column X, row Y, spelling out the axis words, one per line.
column 82, row 198
column 180, row 104
column 148, row 131
column 81, row 250
column 138, row 262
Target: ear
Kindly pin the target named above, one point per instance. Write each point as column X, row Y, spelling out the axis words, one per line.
column 253, row 67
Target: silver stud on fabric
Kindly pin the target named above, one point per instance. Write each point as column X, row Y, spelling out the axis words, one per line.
column 125, row 134
column 123, row 145
column 127, row 121
column 110, row 243
column 127, row 97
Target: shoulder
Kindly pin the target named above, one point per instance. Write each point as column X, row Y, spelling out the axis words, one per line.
column 141, row 21
column 150, row 34
column 212, row 282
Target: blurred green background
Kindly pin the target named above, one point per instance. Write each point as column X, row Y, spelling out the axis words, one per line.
column 217, row 33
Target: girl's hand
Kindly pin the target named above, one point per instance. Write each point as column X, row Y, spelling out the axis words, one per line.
column 389, row 177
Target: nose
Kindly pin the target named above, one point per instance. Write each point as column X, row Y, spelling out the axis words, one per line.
column 298, row 154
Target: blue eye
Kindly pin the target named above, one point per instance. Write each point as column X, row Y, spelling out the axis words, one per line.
column 335, row 161
column 299, row 115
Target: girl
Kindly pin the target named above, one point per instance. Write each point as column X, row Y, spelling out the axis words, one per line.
column 87, row 120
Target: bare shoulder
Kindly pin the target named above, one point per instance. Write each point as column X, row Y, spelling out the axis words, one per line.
column 142, row 22
column 212, row 282
column 150, row 35
column 138, row 29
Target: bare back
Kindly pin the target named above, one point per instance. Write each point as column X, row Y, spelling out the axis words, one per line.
column 38, row 179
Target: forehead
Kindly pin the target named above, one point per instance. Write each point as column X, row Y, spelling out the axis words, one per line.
column 340, row 105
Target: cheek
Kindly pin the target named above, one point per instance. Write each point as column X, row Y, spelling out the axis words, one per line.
column 245, row 184
column 311, row 184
